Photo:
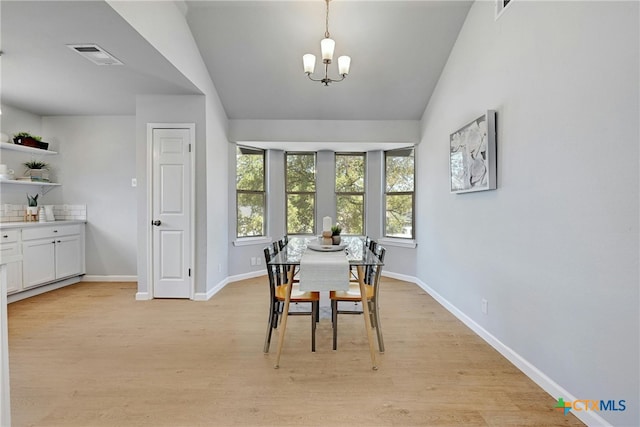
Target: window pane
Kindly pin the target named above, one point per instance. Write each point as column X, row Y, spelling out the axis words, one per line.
column 350, row 210
column 250, row 214
column 399, row 216
column 300, row 213
column 399, row 171
column 249, row 169
column 349, row 173
column 301, row 172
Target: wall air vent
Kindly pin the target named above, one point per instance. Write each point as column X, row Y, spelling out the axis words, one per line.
column 95, row 54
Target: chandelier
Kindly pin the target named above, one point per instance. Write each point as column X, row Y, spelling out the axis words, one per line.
column 326, row 46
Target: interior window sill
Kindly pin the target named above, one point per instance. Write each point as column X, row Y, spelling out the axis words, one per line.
column 249, row 241
column 401, row 243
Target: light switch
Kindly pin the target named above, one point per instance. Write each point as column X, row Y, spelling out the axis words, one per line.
column 134, row 182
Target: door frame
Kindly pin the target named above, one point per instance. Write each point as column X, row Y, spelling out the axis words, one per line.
column 192, row 204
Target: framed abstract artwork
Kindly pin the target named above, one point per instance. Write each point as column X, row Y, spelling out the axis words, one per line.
column 472, row 155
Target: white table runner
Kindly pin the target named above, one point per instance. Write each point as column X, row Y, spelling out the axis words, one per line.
column 324, row 271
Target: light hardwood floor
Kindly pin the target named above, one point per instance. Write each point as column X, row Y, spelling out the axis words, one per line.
column 90, row 355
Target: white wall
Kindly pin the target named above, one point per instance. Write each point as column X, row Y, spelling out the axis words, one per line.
column 311, row 131
column 95, row 165
column 555, row 248
column 14, row 120
column 169, row 33
column 180, row 109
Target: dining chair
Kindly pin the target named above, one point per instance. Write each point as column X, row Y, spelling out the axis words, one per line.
column 370, row 243
column 372, row 287
column 278, row 288
column 281, row 244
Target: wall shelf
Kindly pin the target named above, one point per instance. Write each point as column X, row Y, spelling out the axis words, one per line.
column 25, row 149
column 43, row 184
column 45, row 187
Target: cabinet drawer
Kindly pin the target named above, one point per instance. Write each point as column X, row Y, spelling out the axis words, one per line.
column 48, row 232
column 9, row 249
column 8, row 236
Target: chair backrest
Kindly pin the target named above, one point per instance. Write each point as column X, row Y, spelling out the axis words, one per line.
column 380, row 252
column 271, row 271
column 280, row 272
column 370, row 271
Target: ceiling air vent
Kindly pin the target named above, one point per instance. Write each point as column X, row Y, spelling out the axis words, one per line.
column 95, row 54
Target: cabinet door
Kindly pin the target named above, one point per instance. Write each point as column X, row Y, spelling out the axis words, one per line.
column 14, row 277
column 14, row 269
column 68, row 256
column 38, row 262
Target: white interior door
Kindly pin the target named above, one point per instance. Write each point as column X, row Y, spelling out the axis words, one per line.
column 171, row 213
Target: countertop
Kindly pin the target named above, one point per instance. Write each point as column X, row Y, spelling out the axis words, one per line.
column 8, row 225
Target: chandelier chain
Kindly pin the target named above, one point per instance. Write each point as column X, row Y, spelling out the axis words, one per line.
column 326, row 30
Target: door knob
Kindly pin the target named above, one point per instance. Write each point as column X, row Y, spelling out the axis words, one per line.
column 157, row 222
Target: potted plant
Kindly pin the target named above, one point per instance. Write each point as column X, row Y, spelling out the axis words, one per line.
column 28, row 140
column 32, row 208
column 335, row 234
column 37, row 170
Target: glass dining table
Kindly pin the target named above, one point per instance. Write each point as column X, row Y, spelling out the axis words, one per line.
column 358, row 255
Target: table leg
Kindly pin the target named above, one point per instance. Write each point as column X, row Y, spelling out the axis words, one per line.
column 285, row 315
column 365, row 314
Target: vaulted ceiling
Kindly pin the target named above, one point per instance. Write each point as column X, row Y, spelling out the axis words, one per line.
column 252, row 49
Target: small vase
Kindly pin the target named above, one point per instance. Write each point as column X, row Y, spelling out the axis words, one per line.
column 336, row 240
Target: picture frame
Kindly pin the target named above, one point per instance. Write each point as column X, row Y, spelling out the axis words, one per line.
column 472, row 155
column 501, row 5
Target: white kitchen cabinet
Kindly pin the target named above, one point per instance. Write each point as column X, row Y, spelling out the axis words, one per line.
column 38, row 262
column 68, row 256
column 51, row 253
column 9, row 246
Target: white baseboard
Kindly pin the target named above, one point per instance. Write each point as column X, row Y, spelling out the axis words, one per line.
column 201, row 296
column 206, row 296
column 110, row 278
column 143, row 296
column 244, row 276
column 398, row 276
column 42, row 289
column 590, row 418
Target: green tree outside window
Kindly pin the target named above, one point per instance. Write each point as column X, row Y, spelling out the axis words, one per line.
column 250, row 192
column 300, row 186
column 399, row 193
column 350, row 186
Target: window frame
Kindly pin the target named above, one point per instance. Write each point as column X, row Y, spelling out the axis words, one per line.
column 254, row 192
column 362, row 193
column 399, row 193
column 287, row 192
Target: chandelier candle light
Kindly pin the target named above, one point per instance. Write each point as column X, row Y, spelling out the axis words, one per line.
column 327, row 46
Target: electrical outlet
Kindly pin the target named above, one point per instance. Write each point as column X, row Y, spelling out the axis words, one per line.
column 258, row 262
column 134, row 182
column 253, row 260
column 485, row 306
